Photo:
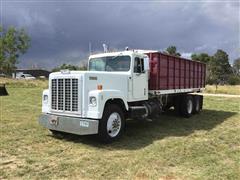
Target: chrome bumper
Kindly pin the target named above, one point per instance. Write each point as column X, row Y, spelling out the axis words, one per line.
column 69, row 124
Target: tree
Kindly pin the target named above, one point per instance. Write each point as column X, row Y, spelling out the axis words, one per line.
column 172, row 50
column 205, row 58
column 13, row 43
column 236, row 66
column 202, row 57
column 220, row 69
column 67, row 66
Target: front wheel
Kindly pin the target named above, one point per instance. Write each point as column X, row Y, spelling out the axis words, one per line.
column 112, row 124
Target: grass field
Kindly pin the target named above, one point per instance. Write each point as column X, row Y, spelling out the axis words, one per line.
column 223, row 89
column 206, row 146
column 22, row 83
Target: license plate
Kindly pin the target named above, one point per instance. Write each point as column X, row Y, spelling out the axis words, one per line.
column 84, row 124
column 53, row 120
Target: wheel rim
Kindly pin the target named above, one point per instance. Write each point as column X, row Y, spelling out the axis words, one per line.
column 114, row 124
column 189, row 106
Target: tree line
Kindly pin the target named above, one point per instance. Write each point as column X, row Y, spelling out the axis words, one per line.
column 70, row 67
column 15, row 42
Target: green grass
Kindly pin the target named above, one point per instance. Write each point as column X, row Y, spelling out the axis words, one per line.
column 206, row 146
column 43, row 83
column 223, row 89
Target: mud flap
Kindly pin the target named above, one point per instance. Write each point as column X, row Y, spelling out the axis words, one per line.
column 3, row 90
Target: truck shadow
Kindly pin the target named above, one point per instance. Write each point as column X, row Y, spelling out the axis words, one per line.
column 140, row 134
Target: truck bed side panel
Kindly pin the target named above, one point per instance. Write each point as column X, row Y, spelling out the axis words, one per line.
column 169, row 72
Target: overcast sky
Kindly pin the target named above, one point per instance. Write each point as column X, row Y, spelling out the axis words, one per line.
column 61, row 30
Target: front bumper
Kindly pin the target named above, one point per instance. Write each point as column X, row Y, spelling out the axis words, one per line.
column 69, row 124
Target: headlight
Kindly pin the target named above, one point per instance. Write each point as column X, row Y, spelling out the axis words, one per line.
column 93, row 101
column 45, row 98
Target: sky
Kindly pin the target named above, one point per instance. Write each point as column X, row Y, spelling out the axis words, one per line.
column 61, row 31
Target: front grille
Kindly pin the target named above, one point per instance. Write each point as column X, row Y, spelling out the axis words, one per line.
column 65, row 94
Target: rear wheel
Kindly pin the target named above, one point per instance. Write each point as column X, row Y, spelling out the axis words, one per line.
column 186, row 106
column 112, row 124
column 177, row 104
column 197, row 104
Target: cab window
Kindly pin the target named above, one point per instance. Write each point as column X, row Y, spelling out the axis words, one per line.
column 138, row 65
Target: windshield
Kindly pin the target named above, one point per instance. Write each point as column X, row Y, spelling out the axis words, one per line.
column 110, row 63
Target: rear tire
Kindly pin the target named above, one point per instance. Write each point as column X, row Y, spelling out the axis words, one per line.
column 197, row 104
column 112, row 124
column 177, row 104
column 186, row 106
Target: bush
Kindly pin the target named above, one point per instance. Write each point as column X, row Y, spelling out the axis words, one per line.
column 210, row 81
column 234, row 80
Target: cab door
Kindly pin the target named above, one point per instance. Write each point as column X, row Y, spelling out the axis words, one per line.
column 140, row 80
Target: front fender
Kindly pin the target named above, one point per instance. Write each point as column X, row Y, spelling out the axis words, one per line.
column 103, row 96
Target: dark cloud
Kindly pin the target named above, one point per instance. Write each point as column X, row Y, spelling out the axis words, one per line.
column 61, row 31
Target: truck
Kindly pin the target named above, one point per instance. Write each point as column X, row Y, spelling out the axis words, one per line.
column 129, row 84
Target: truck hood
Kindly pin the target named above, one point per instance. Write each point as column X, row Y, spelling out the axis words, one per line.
column 87, row 82
column 110, row 80
column 90, row 79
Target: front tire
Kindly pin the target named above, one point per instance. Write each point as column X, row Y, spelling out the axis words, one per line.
column 112, row 123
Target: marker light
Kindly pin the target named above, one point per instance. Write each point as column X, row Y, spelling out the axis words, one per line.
column 99, row 87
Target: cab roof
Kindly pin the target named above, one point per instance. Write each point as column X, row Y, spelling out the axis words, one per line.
column 121, row 53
